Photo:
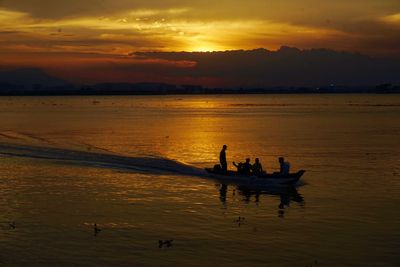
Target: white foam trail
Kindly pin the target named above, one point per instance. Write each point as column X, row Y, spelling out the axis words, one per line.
column 156, row 165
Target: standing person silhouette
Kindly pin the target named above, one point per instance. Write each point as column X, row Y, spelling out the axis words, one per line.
column 222, row 159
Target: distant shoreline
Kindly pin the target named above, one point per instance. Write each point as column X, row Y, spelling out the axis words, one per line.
column 169, row 89
column 182, row 92
column 36, row 82
column 209, row 94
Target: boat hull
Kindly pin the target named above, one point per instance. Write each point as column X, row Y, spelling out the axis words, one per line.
column 274, row 179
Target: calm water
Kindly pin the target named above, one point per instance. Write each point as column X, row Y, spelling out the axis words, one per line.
column 133, row 166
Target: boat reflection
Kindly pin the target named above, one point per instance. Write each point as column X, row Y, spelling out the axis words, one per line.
column 286, row 195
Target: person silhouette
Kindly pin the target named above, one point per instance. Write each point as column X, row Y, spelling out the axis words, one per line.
column 239, row 166
column 222, row 159
column 257, row 167
column 246, row 168
column 284, row 166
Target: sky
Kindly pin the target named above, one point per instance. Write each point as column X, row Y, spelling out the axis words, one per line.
column 94, row 40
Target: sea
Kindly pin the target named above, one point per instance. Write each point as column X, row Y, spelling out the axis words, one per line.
column 134, row 166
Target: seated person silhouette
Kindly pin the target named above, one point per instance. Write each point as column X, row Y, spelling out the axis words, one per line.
column 239, row 167
column 243, row 168
column 257, row 167
column 284, row 166
column 246, row 168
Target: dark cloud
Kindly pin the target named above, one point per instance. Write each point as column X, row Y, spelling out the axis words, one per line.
column 240, row 68
column 285, row 67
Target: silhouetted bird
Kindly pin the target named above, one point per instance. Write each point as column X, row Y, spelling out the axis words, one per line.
column 167, row 243
column 12, row 225
column 240, row 219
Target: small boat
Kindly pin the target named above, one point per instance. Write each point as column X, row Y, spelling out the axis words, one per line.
column 265, row 179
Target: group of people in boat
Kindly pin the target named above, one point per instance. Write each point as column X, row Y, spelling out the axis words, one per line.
column 247, row 168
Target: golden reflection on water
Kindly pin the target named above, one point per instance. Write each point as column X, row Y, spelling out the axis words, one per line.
column 199, row 135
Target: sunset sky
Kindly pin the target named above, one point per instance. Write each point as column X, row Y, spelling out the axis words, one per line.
column 84, row 35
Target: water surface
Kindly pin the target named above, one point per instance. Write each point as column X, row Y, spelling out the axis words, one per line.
column 133, row 165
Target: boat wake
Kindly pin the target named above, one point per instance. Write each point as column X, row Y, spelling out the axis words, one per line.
column 153, row 165
column 150, row 165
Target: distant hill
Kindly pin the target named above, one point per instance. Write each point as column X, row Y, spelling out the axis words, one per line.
column 29, row 78
column 287, row 66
